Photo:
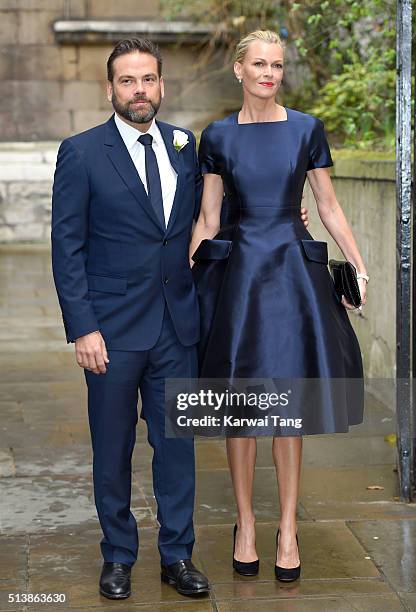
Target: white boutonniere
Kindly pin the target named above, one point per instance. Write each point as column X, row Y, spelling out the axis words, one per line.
column 180, row 140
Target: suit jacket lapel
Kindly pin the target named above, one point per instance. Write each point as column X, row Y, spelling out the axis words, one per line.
column 120, row 158
column 176, row 160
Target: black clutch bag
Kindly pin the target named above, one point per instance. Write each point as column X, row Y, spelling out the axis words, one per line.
column 212, row 249
column 345, row 281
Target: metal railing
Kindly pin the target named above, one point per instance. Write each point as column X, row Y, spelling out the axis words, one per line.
column 406, row 243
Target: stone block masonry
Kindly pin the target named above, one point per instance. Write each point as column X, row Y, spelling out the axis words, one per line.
column 26, row 175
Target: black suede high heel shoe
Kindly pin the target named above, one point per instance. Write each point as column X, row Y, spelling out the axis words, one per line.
column 286, row 574
column 250, row 568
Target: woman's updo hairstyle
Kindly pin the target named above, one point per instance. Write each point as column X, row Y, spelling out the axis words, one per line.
column 267, row 36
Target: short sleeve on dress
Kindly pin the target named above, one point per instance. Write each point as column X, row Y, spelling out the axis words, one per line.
column 208, row 162
column 319, row 152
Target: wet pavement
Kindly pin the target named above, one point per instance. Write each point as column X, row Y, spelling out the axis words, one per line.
column 357, row 546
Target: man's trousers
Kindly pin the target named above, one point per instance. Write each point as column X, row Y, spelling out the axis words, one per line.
column 112, row 410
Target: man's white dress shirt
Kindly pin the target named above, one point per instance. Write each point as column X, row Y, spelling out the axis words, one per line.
column 168, row 176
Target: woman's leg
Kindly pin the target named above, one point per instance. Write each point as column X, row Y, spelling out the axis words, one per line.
column 241, row 453
column 287, row 456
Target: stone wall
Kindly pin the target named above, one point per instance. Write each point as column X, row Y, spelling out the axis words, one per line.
column 53, row 89
column 26, row 175
column 366, row 192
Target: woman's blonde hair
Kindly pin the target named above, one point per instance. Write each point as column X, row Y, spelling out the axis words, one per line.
column 267, row 36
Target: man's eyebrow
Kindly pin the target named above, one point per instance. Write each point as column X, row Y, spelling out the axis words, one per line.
column 130, row 76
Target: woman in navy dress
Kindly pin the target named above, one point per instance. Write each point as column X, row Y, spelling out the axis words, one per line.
column 268, row 305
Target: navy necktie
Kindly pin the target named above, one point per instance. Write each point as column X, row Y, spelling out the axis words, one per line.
column 154, row 188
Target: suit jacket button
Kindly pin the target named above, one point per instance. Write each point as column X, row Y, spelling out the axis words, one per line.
column 166, row 281
column 165, row 242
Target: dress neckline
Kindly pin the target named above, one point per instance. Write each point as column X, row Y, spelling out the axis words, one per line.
column 263, row 122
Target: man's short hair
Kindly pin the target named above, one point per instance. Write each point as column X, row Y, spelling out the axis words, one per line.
column 131, row 45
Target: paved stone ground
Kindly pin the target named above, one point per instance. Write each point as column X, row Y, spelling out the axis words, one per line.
column 358, row 547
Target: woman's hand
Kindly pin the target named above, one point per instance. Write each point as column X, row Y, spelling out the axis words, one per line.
column 362, row 283
column 304, row 215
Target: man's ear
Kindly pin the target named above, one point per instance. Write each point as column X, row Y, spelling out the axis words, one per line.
column 162, row 87
column 109, row 91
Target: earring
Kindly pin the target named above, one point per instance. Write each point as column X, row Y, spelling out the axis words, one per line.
column 240, row 80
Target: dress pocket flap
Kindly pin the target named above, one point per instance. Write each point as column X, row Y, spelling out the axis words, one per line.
column 315, row 250
column 107, row 284
column 213, row 249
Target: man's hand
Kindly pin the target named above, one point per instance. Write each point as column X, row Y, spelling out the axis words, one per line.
column 304, row 216
column 91, row 353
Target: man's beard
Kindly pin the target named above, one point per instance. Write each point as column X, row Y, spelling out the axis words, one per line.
column 135, row 115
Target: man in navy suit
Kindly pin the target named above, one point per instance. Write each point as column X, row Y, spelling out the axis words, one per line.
column 124, row 198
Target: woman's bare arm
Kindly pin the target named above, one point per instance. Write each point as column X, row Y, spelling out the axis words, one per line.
column 208, row 223
column 333, row 218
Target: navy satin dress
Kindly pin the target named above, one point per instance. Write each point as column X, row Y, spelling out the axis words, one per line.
column 268, row 304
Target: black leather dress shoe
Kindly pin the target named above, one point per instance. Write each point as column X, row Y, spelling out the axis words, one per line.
column 186, row 578
column 115, row 580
